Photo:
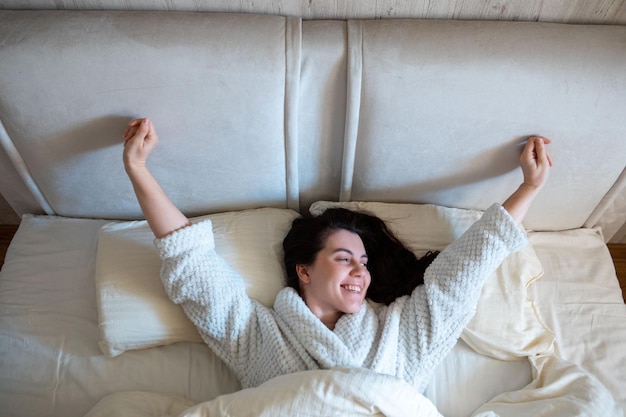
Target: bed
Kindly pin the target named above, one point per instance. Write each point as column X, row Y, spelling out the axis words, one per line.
column 266, row 118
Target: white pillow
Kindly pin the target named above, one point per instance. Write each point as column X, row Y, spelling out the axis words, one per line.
column 133, row 309
column 507, row 325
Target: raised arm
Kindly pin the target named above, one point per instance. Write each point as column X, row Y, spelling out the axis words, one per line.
column 535, row 162
column 162, row 215
column 442, row 307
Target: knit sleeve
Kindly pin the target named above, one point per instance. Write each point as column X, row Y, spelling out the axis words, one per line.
column 210, row 292
column 438, row 311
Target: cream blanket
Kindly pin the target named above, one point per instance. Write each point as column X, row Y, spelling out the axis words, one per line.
column 559, row 389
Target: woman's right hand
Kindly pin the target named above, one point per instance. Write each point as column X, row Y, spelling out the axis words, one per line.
column 536, row 161
column 140, row 139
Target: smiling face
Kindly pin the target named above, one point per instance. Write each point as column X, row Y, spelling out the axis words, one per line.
column 337, row 280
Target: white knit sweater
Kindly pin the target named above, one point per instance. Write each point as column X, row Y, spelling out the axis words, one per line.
column 407, row 339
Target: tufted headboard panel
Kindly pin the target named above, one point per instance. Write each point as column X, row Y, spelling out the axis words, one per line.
column 274, row 111
column 441, row 108
column 220, row 97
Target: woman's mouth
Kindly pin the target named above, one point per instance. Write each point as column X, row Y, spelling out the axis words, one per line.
column 353, row 288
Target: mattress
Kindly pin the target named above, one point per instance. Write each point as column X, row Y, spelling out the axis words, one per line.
column 51, row 363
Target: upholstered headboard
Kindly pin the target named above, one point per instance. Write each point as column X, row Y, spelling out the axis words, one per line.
column 275, row 111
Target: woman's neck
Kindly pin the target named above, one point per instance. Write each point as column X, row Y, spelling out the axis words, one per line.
column 328, row 317
column 330, row 320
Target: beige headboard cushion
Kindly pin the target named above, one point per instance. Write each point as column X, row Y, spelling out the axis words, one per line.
column 443, row 106
column 273, row 111
column 216, row 87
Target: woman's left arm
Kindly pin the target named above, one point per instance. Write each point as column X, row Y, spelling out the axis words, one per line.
column 442, row 307
column 437, row 312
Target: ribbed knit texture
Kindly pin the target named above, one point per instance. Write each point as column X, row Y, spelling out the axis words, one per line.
column 407, row 339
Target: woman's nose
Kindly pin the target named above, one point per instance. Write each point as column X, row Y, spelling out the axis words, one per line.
column 358, row 270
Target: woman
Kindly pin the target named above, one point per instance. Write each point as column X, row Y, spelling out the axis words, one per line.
column 323, row 320
column 394, row 269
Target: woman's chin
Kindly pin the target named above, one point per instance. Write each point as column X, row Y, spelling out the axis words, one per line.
column 353, row 307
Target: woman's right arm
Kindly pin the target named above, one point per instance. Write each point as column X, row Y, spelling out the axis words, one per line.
column 210, row 292
column 194, row 276
column 162, row 215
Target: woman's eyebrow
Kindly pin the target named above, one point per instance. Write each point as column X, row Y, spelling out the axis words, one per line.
column 349, row 252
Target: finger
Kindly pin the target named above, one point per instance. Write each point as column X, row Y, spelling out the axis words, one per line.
column 130, row 132
column 540, row 150
column 137, row 129
column 132, row 125
column 542, row 154
column 147, row 125
column 152, row 135
column 529, row 154
column 547, row 141
column 142, row 128
column 534, row 142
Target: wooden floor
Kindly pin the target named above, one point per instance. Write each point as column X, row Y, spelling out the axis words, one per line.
column 618, row 252
column 6, row 234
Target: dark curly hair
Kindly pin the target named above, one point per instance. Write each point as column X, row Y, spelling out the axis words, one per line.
column 394, row 269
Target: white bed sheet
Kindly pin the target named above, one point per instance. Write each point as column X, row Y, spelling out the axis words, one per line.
column 50, row 361
column 580, row 299
column 51, row 364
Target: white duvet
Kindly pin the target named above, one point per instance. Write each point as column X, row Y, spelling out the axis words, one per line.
column 559, row 389
column 332, row 392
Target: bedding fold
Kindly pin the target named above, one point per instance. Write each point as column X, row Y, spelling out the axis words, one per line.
column 559, row 388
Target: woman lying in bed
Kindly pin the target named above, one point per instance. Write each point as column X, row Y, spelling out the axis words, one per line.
column 322, row 319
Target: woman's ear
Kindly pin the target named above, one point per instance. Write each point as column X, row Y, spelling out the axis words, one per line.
column 303, row 273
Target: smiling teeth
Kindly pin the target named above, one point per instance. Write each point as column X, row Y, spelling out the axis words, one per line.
column 354, row 288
